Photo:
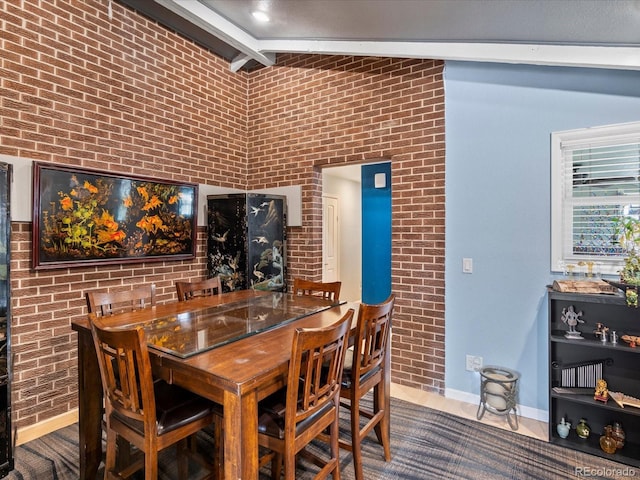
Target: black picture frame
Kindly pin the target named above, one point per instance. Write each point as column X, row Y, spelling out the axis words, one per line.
column 86, row 217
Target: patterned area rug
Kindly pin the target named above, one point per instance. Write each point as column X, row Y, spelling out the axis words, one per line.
column 426, row 444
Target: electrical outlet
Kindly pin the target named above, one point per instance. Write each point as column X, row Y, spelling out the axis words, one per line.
column 474, row 363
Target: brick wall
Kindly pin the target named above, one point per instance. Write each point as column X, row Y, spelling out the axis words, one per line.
column 126, row 95
column 313, row 111
column 123, row 95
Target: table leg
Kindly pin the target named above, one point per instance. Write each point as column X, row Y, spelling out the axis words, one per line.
column 89, row 407
column 240, row 436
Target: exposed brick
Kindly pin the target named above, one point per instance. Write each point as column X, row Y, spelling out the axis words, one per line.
column 127, row 95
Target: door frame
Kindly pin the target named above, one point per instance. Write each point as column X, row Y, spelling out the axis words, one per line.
column 336, row 234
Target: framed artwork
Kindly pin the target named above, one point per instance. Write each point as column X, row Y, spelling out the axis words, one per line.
column 84, row 217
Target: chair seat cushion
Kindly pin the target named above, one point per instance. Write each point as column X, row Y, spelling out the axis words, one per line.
column 175, row 407
column 271, row 412
column 347, row 373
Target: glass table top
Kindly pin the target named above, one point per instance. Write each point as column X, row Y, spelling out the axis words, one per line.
column 189, row 333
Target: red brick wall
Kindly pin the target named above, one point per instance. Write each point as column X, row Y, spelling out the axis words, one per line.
column 126, row 95
column 314, row 111
column 123, row 95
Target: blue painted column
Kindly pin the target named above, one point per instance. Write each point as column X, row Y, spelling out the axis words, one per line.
column 376, row 232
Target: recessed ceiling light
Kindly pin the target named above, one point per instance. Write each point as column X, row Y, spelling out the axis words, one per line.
column 260, row 16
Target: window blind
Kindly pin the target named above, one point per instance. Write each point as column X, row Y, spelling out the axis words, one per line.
column 601, row 182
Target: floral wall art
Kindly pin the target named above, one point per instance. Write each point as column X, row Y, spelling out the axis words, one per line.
column 83, row 217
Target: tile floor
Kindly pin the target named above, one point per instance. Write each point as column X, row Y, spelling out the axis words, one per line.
column 526, row 426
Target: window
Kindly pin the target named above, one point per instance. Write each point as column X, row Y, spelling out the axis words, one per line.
column 595, row 178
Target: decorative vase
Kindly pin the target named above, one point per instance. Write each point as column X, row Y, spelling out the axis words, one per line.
column 607, row 442
column 563, row 428
column 618, row 434
column 582, row 429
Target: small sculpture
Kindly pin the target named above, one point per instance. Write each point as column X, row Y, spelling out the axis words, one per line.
column 602, row 393
column 571, row 318
column 601, row 331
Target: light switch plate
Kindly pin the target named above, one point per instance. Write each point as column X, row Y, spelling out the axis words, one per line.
column 467, row 265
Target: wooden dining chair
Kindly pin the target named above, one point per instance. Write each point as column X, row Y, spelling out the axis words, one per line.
column 328, row 290
column 295, row 415
column 150, row 414
column 103, row 303
column 365, row 371
column 199, row 288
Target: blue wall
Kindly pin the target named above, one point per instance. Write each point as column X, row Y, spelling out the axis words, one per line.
column 499, row 118
column 376, row 234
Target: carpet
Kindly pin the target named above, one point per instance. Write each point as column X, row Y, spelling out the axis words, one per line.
column 425, row 444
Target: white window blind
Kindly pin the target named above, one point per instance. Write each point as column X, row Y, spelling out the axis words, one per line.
column 595, row 179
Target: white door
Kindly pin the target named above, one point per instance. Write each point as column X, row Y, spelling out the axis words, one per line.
column 330, row 240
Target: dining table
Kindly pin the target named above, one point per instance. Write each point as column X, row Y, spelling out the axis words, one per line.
column 232, row 348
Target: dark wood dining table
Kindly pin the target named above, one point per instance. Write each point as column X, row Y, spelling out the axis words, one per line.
column 206, row 346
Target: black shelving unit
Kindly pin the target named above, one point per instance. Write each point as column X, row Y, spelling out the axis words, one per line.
column 619, row 368
column 6, row 441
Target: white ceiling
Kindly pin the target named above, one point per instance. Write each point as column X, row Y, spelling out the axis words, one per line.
column 590, row 33
column 531, row 21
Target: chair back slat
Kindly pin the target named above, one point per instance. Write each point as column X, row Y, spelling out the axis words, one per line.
column 372, row 336
column 315, row 369
column 200, row 288
column 103, row 303
column 327, row 290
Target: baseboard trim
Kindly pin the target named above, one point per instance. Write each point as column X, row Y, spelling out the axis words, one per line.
column 528, row 412
column 31, row 432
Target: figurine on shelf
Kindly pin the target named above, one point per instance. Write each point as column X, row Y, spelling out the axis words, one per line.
column 572, row 319
column 602, row 393
column 601, row 331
